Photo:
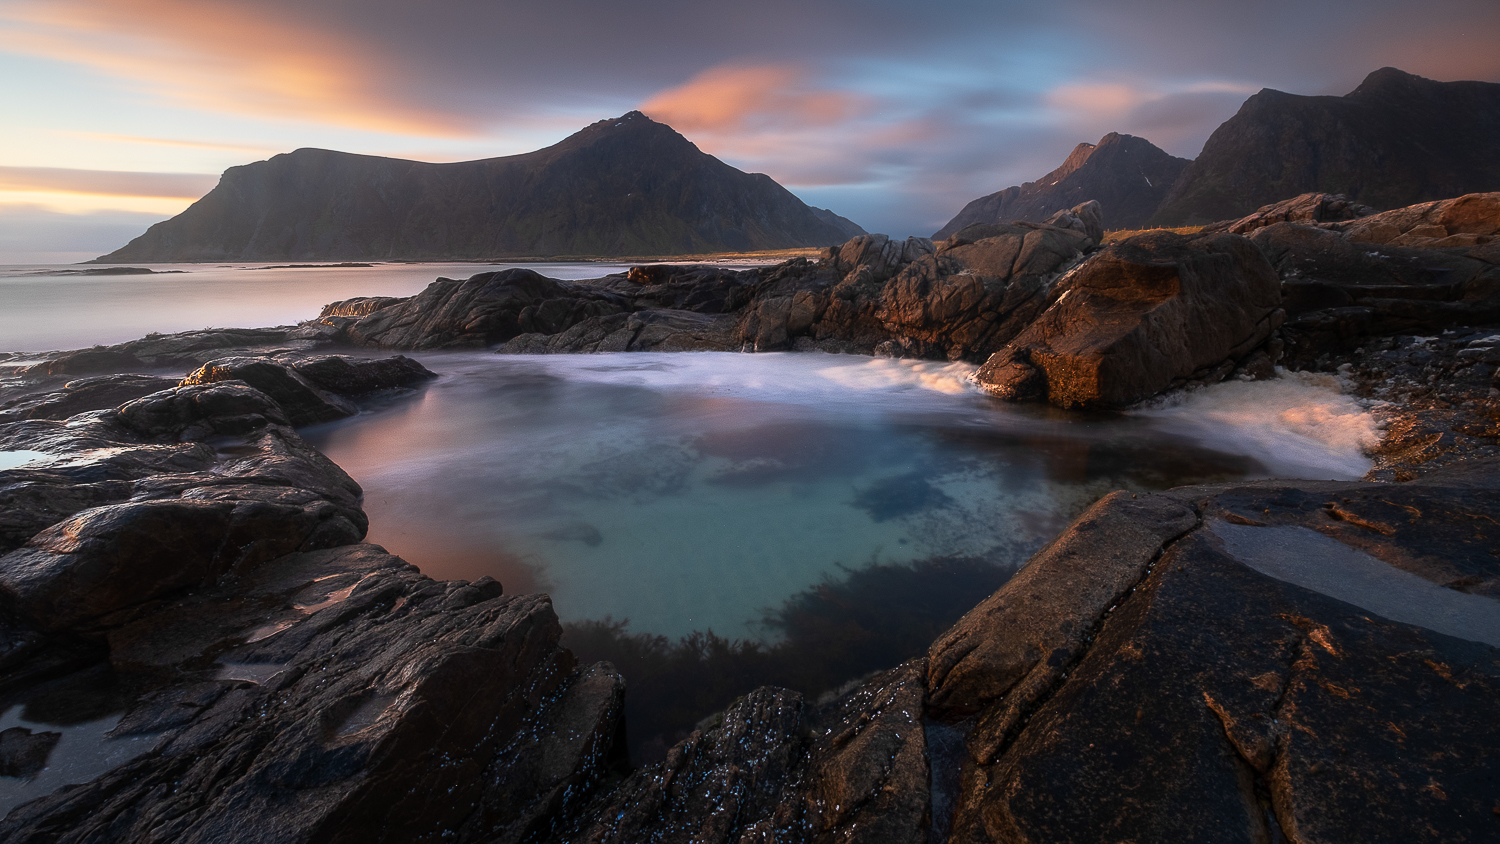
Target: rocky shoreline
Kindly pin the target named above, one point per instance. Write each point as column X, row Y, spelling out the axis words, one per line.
column 1297, row 661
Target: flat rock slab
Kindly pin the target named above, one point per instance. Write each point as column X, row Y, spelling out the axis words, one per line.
column 1309, row 662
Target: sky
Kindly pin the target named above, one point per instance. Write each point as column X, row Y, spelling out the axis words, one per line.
column 115, row 114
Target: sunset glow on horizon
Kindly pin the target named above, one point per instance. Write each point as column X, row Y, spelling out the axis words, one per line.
column 890, row 114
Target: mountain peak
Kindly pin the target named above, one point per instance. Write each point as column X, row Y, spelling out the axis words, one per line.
column 1387, row 80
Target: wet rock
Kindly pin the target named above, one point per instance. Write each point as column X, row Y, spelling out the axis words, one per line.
column 1138, row 316
column 303, row 402
column 483, row 310
column 88, row 362
column 359, row 306
column 83, row 394
column 198, row 411
column 388, row 711
column 1227, row 693
column 23, row 753
column 352, row 376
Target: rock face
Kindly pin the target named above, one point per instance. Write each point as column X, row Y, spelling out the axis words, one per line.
column 1252, row 685
column 1395, row 140
column 1155, row 309
column 628, row 186
column 1128, row 176
column 1308, row 208
column 872, row 294
column 1418, row 269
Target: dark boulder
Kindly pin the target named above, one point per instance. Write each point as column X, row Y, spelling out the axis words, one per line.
column 23, row 754
column 83, row 394
column 483, row 310
column 1155, row 309
column 304, row 402
column 351, row 376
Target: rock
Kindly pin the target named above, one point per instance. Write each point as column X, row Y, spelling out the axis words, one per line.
column 23, row 754
column 1230, row 693
column 1429, row 224
column 359, row 306
column 1338, row 291
column 304, row 402
column 1138, row 316
column 483, row 310
column 777, row 769
column 1306, row 208
column 1087, row 218
column 87, row 362
column 198, row 411
column 83, row 394
column 351, row 376
column 408, row 708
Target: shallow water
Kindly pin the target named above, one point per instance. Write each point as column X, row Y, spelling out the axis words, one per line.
column 700, row 491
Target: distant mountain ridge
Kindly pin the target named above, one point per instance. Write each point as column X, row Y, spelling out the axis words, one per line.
column 1129, row 176
column 627, row 186
column 1396, row 140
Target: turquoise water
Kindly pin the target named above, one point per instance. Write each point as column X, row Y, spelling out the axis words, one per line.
column 698, row 491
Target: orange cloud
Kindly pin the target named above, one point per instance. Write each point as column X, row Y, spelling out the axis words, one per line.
column 736, row 98
column 226, row 56
column 106, row 182
column 1099, row 100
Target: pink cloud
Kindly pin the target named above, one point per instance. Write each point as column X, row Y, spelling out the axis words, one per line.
column 228, row 56
column 737, row 98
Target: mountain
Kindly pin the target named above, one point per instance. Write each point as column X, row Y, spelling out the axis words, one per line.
column 628, row 186
column 1396, row 140
column 1128, row 175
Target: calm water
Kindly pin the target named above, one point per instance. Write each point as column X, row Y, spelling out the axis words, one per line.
column 696, row 491
column 822, row 515
column 46, row 308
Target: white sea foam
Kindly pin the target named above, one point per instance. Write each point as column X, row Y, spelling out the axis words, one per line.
column 888, row 374
column 1298, row 424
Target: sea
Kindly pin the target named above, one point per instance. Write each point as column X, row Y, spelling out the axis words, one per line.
column 712, row 521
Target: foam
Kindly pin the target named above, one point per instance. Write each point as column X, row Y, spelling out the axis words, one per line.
column 1298, row 425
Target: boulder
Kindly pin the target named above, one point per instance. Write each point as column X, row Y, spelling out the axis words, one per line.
column 83, row 394
column 23, row 754
column 352, row 376
column 483, row 310
column 1086, row 218
column 304, row 402
column 359, row 306
column 1139, row 315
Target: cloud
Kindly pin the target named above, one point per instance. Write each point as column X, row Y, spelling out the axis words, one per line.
column 750, row 98
column 174, row 142
column 106, row 182
column 229, row 57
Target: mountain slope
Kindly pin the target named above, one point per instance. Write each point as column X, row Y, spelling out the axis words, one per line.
column 1396, row 140
column 1128, row 175
column 618, row 187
